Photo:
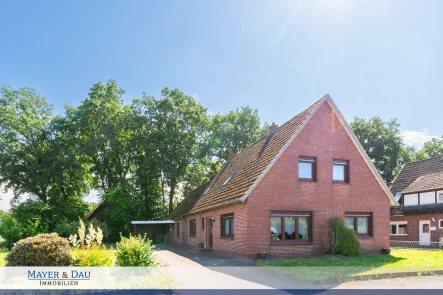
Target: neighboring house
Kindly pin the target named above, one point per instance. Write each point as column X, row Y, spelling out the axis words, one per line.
column 279, row 194
column 419, row 188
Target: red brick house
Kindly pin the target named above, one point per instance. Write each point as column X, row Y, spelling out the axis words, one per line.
column 419, row 188
column 278, row 195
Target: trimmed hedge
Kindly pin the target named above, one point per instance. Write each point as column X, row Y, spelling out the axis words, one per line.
column 348, row 244
column 41, row 250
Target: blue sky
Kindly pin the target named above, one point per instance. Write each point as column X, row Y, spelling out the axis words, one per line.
column 375, row 58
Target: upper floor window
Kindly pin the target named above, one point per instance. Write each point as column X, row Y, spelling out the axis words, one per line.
column 306, row 168
column 340, row 171
column 192, row 227
column 361, row 223
column 227, row 225
column 440, row 197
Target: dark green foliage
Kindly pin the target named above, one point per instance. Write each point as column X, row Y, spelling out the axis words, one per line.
column 348, row 244
column 66, row 228
column 41, row 250
column 382, row 142
column 10, row 231
column 125, row 205
column 49, row 215
column 135, row 251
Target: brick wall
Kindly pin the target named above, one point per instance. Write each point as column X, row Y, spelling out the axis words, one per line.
column 237, row 244
column 325, row 139
column 413, row 227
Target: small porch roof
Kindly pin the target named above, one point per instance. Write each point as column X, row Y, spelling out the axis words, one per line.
column 153, row 222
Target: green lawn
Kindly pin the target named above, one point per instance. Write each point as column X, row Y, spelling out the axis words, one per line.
column 312, row 269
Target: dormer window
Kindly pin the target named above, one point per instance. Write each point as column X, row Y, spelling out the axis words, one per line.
column 228, row 179
column 440, row 197
column 207, row 190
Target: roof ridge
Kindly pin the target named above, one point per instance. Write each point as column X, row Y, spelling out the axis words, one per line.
column 432, row 158
column 285, row 123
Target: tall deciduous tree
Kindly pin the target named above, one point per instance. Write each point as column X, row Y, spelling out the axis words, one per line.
column 101, row 125
column 434, row 147
column 382, row 142
column 178, row 125
column 234, row 131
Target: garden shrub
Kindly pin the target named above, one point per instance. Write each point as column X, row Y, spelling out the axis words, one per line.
column 348, row 244
column 41, row 250
column 95, row 256
column 10, row 231
column 135, row 251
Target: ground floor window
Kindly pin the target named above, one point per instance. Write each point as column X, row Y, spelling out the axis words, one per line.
column 361, row 223
column 440, row 223
column 291, row 227
column 192, row 227
column 399, row 228
column 227, row 225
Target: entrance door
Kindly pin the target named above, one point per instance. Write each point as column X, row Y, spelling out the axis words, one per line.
column 209, row 229
column 424, row 232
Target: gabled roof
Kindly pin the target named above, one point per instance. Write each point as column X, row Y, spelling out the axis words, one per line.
column 419, row 176
column 426, row 182
column 188, row 202
column 253, row 163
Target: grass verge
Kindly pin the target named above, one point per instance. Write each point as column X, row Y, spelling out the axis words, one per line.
column 317, row 268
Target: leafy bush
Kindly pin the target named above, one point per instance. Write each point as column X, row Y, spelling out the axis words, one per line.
column 34, row 228
column 348, row 244
column 66, row 228
column 135, row 251
column 96, row 256
column 41, row 250
column 10, row 231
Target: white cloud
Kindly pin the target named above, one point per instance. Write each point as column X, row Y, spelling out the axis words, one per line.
column 5, row 199
column 417, row 138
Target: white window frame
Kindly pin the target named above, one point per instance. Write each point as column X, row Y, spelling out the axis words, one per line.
column 440, row 223
column 397, row 223
column 440, row 193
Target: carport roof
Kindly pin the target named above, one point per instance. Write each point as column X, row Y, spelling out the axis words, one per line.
column 152, row 222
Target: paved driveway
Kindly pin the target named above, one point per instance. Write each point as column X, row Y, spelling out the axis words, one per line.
column 192, row 269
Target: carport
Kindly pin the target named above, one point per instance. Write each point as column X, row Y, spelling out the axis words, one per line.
column 155, row 230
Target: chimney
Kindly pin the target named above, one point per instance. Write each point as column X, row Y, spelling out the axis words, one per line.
column 273, row 127
column 231, row 155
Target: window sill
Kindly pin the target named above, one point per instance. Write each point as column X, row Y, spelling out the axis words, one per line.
column 192, row 236
column 306, row 180
column 364, row 236
column 276, row 243
column 340, row 182
column 227, row 237
column 398, row 234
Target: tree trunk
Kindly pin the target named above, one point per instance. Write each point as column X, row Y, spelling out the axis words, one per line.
column 171, row 196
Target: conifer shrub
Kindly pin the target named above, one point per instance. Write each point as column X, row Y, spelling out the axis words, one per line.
column 348, row 244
